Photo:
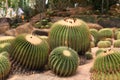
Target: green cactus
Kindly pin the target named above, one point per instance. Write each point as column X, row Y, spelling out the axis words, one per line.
column 4, row 46
column 95, row 34
column 118, row 36
column 104, row 44
column 99, row 51
column 29, row 51
column 92, row 44
column 107, row 62
column 106, row 66
column 6, row 39
column 5, row 53
column 70, row 32
column 63, row 61
column 88, row 55
column 5, row 67
column 116, row 43
column 106, row 33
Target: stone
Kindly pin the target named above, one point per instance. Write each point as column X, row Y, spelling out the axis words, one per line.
column 4, row 27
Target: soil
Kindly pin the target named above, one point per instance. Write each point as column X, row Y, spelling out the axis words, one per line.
column 83, row 73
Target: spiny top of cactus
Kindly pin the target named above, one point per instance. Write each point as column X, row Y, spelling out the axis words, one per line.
column 70, row 22
column 66, row 53
column 6, row 37
column 33, row 39
column 4, row 44
column 107, row 52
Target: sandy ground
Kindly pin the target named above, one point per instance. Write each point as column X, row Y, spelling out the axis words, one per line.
column 83, row 73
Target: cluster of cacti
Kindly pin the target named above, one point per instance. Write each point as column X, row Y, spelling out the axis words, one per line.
column 106, row 33
column 43, row 24
column 70, row 32
column 116, row 43
column 95, row 34
column 63, row 61
column 29, row 52
column 6, row 39
column 5, row 67
column 104, row 44
column 88, row 55
column 106, row 66
column 108, row 39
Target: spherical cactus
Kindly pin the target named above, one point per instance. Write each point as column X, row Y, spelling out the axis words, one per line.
column 99, row 51
column 106, row 66
column 63, row 61
column 70, row 32
column 5, row 53
column 107, row 62
column 95, row 34
column 104, row 44
column 5, row 66
column 6, row 39
column 88, row 55
column 92, row 44
column 106, row 33
column 29, row 51
column 116, row 44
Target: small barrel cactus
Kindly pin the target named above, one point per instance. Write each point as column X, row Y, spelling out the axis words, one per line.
column 70, row 32
column 106, row 33
column 99, row 51
column 116, row 44
column 95, row 34
column 63, row 61
column 118, row 35
column 29, row 51
column 104, row 44
column 6, row 39
column 92, row 44
column 106, row 66
column 88, row 55
column 5, row 67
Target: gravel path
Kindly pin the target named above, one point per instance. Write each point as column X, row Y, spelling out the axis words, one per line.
column 82, row 73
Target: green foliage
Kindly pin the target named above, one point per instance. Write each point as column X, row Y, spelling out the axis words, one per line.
column 89, row 55
column 106, row 66
column 30, row 52
column 5, row 66
column 106, row 33
column 116, row 44
column 63, row 61
column 95, row 34
column 104, row 44
column 70, row 32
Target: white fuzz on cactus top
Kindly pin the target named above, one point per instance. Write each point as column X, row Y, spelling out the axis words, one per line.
column 6, row 37
column 66, row 53
column 33, row 39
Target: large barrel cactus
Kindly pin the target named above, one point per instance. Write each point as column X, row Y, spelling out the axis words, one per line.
column 107, row 65
column 5, row 66
column 70, row 32
column 63, row 61
column 29, row 52
column 106, row 33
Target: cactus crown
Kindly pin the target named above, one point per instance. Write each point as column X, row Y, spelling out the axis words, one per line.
column 33, row 39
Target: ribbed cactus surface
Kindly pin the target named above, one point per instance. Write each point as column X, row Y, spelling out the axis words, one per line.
column 63, row 61
column 29, row 51
column 70, row 32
